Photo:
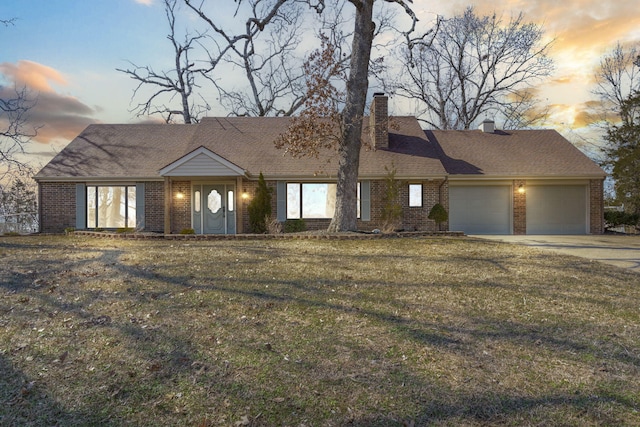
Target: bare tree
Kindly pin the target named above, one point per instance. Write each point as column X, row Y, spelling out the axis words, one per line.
column 15, row 104
column 309, row 134
column 179, row 82
column 475, row 66
column 265, row 54
column 18, row 203
column 616, row 78
column 523, row 109
column 15, row 134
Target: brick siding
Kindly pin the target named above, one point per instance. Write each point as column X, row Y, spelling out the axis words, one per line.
column 57, row 206
column 154, row 206
column 596, row 206
column 413, row 218
column 379, row 122
column 180, row 208
column 519, row 207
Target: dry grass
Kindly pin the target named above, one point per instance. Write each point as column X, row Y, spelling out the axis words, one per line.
column 422, row 331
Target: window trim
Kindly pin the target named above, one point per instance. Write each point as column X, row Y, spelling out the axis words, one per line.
column 127, row 187
column 301, row 185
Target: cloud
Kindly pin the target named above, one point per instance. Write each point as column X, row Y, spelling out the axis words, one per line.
column 144, row 2
column 33, row 75
column 56, row 116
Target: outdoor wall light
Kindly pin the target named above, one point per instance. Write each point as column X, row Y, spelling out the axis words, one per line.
column 179, row 195
column 245, row 196
column 521, row 189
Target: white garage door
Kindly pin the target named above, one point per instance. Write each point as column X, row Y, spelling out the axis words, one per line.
column 556, row 209
column 480, row 209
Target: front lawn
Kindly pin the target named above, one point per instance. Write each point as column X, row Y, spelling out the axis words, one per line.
column 414, row 331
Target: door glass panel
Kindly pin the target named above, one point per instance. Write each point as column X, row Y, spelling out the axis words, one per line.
column 214, row 201
column 196, row 201
column 230, row 200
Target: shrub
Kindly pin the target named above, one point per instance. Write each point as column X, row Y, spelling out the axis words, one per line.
column 187, row 231
column 295, row 226
column 439, row 214
column 273, row 225
column 260, row 207
column 69, row 230
column 615, row 218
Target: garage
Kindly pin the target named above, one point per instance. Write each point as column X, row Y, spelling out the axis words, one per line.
column 480, row 209
column 557, row 209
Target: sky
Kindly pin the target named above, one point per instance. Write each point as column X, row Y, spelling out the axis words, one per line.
column 67, row 52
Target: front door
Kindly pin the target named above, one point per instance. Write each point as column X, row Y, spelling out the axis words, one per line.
column 214, row 209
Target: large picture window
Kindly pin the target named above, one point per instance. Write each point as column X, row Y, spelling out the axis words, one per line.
column 111, row 206
column 312, row 200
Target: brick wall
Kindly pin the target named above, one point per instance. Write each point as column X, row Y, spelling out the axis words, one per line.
column 596, row 206
column 413, row 218
column 519, row 207
column 180, row 207
column 57, row 206
column 154, row 206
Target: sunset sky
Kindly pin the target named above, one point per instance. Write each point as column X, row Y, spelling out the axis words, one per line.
column 68, row 51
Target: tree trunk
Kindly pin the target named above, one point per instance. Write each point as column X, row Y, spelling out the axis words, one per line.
column 345, row 217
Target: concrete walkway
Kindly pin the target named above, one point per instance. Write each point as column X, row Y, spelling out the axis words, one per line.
column 619, row 250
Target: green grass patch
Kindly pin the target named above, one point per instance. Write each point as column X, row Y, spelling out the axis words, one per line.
column 420, row 331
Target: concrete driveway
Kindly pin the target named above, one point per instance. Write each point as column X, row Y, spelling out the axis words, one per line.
column 619, row 250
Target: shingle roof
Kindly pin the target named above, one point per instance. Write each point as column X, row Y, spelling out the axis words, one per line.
column 119, row 151
column 542, row 153
column 140, row 151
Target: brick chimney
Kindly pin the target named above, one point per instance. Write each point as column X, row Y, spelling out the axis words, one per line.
column 379, row 121
column 488, row 126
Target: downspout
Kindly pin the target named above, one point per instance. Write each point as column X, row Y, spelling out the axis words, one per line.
column 446, row 179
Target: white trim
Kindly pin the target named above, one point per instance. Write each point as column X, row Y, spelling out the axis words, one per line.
column 168, row 170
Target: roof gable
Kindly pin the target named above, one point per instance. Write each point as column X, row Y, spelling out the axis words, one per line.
column 201, row 162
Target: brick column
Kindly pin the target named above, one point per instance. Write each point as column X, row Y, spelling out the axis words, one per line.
column 596, row 206
column 167, row 205
column 519, row 206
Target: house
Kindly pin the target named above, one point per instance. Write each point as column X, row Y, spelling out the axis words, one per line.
column 166, row 178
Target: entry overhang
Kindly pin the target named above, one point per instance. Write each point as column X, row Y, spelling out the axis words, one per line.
column 201, row 162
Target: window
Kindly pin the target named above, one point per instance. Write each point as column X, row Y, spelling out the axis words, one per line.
column 111, row 206
column 415, row 195
column 312, row 200
column 230, row 200
column 196, row 201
